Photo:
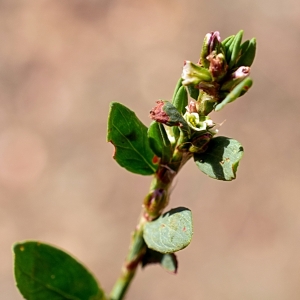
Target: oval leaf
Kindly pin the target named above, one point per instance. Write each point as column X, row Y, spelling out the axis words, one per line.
column 129, row 136
column 43, row 272
column 221, row 159
column 171, row 232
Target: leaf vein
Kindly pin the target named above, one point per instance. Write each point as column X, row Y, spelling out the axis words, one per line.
column 143, row 158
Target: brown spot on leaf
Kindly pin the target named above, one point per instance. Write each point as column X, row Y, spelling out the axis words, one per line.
column 155, row 159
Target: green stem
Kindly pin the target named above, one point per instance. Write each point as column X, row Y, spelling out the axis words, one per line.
column 154, row 204
column 136, row 252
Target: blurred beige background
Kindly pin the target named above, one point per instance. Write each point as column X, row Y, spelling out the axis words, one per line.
column 62, row 63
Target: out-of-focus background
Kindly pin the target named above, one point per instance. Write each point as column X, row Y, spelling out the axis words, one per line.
column 63, row 62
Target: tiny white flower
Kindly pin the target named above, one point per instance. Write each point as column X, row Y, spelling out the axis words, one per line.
column 199, row 123
column 193, row 74
column 187, row 74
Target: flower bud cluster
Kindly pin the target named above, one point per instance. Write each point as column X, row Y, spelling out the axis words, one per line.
column 220, row 69
column 220, row 76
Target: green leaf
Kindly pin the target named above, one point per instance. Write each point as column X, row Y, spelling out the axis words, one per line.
column 221, row 159
column 248, row 54
column 129, row 136
column 235, row 48
column 43, row 272
column 175, row 116
column 237, row 92
column 171, row 232
column 159, row 141
column 226, row 42
column 166, row 113
column 167, row 260
column 181, row 100
column 205, row 51
column 177, row 87
column 176, row 132
column 244, row 47
column 194, row 92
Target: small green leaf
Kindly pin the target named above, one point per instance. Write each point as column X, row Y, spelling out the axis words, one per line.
column 181, row 100
column 129, row 136
column 237, row 92
column 177, row 87
column 226, row 42
column 205, row 51
column 244, row 47
column 43, row 272
column 223, row 51
column 248, row 54
column 166, row 113
column 155, row 140
column 221, row 159
column 174, row 115
column 176, row 132
column 159, row 141
column 235, row 48
column 167, row 260
column 171, row 232
column 194, row 92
